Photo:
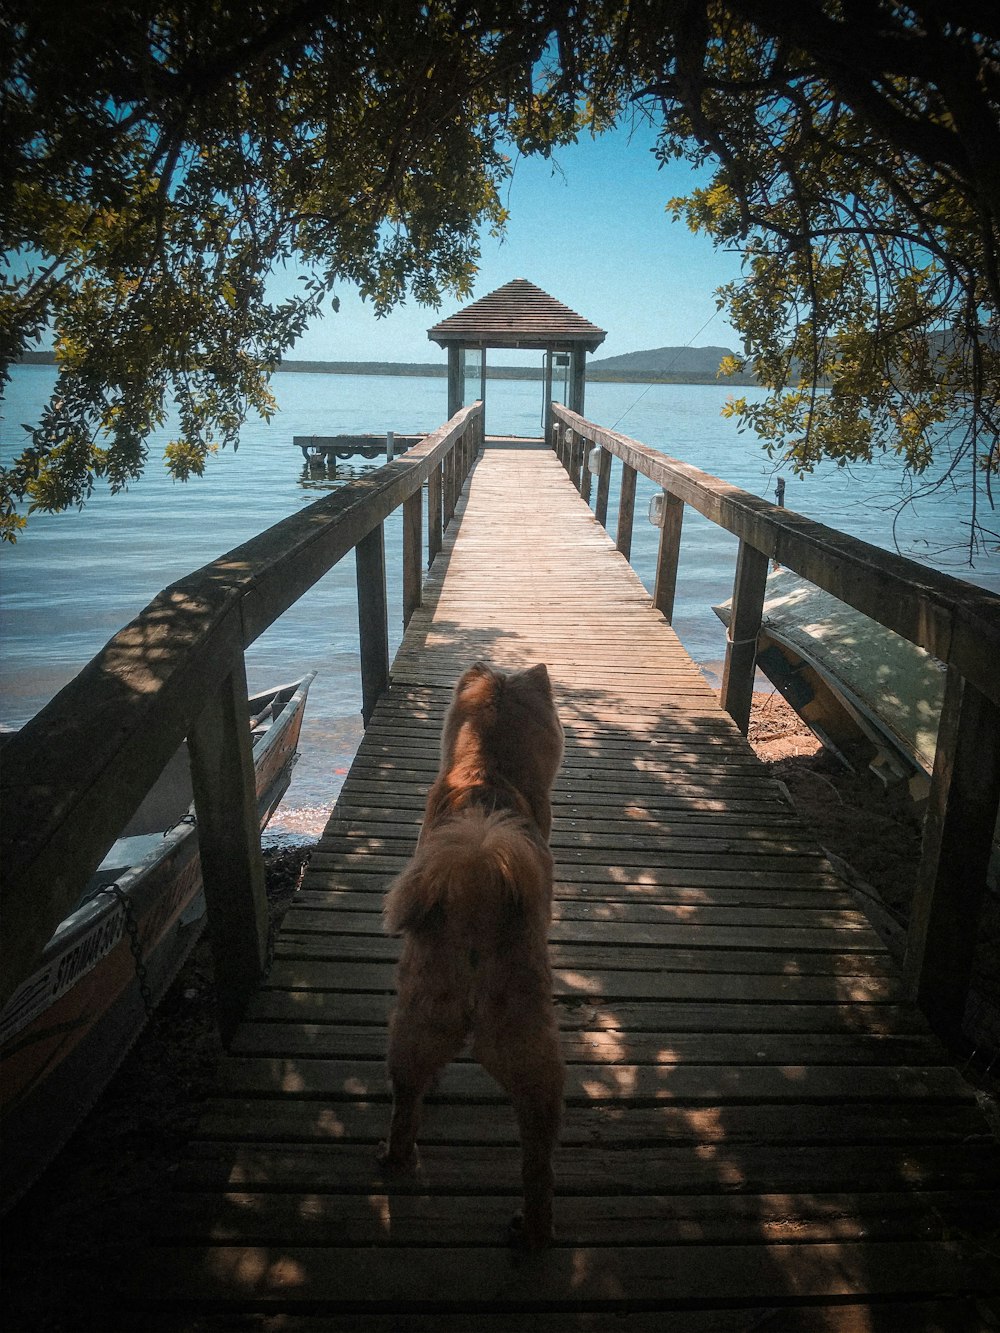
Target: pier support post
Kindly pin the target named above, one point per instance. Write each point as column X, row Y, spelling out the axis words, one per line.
column 225, row 800
column 958, row 838
column 744, row 626
column 373, row 619
column 668, row 555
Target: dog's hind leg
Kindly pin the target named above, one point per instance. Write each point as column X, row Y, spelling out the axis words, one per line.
column 418, row 1051
column 533, row 1074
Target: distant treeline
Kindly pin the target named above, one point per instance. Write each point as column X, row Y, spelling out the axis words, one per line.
column 596, row 372
column 435, row 370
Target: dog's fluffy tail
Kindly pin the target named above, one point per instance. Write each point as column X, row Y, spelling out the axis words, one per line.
column 473, row 871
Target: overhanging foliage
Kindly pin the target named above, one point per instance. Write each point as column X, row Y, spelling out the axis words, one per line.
column 160, row 161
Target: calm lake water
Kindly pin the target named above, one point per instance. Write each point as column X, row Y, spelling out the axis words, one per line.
column 74, row 579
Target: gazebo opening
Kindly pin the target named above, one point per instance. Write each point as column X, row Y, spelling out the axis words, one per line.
column 518, row 315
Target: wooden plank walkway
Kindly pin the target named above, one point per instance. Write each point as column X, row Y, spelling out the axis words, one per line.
column 760, row 1133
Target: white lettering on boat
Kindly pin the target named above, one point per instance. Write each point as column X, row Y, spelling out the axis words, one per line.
column 42, row 989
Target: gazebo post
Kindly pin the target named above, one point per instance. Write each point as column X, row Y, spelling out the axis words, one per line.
column 482, row 383
column 548, row 394
column 456, row 378
column 577, row 378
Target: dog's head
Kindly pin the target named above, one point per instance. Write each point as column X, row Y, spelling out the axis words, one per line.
column 509, row 724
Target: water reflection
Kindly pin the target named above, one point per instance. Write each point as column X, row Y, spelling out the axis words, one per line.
column 328, row 474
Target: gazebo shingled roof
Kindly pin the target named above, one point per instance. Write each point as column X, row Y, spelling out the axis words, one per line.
column 518, row 314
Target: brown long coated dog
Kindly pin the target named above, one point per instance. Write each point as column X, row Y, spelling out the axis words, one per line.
column 474, row 907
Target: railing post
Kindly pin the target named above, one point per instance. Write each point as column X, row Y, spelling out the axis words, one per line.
column 225, row 798
column 434, row 525
column 449, row 487
column 626, row 511
column 413, row 515
column 744, row 626
column 668, row 555
column 461, row 464
column 373, row 620
column 456, row 481
column 603, row 488
column 573, row 457
column 585, row 476
column 958, row 835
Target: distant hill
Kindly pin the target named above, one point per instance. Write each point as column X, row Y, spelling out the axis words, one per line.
column 675, row 363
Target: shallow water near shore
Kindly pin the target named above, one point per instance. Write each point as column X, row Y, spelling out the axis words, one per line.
column 74, row 579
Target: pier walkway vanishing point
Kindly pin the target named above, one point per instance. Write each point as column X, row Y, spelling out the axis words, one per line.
column 760, row 1133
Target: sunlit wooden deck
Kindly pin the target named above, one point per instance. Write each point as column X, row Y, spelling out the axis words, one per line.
column 760, row 1133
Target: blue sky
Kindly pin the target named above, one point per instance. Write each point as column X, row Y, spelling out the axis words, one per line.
column 592, row 230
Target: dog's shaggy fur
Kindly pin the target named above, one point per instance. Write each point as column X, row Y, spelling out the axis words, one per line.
column 474, row 905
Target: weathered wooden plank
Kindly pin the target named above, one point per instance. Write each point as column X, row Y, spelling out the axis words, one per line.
column 951, row 1314
column 815, row 893
column 745, row 870
column 693, row 1015
column 614, row 1047
column 390, row 855
column 766, row 801
column 354, row 952
column 388, row 822
column 471, row 1279
column 300, row 1120
column 687, row 1084
column 641, row 937
column 747, row 987
column 674, row 1168
column 693, row 915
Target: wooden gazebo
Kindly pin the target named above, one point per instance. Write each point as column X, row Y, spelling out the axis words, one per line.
column 518, row 314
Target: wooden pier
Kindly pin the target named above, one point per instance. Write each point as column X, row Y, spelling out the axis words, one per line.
column 761, row 1131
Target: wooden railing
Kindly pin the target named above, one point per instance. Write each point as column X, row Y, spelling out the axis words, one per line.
column 75, row 774
column 954, row 621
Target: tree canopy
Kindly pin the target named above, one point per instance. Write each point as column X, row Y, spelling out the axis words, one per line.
column 160, row 161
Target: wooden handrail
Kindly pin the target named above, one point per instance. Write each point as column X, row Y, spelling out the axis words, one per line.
column 954, row 621
column 73, row 776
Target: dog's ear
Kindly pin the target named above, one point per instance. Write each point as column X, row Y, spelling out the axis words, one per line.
column 477, row 687
column 474, row 672
column 538, row 678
